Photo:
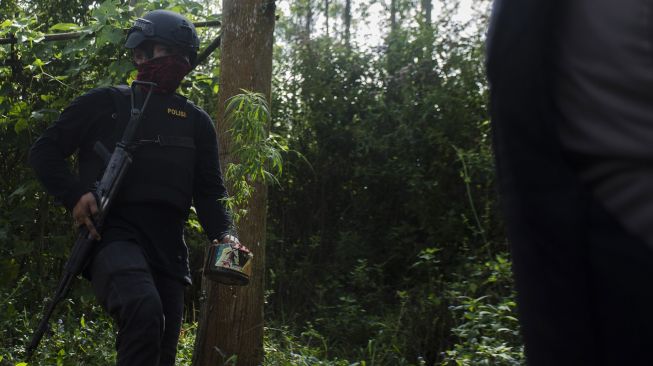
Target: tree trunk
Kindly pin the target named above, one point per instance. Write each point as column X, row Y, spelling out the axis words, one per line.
column 231, row 318
column 427, row 9
column 347, row 19
column 308, row 23
column 393, row 15
column 391, row 56
column 429, row 64
column 326, row 16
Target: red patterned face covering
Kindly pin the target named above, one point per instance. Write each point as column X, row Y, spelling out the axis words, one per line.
column 166, row 71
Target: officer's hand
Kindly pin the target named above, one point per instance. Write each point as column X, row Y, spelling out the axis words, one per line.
column 230, row 239
column 86, row 208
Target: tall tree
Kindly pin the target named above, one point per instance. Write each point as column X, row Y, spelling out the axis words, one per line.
column 231, row 318
column 326, row 17
column 428, row 35
column 427, row 9
column 347, row 20
column 393, row 15
column 308, row 24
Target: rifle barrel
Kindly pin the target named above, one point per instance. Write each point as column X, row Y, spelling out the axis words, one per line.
column 62, row 289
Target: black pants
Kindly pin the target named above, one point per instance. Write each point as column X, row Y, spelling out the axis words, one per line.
column 587, row 302
column 146, row 305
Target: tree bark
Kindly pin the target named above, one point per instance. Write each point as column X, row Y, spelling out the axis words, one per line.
column 427, row 9
column 231, row 318
column 308, row 23
column 347, row 19
column 392, row 63
column 393, row 15
column 326, row 16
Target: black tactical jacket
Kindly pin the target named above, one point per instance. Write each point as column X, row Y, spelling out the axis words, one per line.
column 176, row 165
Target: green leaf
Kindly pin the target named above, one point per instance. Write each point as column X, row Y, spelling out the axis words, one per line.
column 38, row 62
column 47, row 97
column 21, row 125
column 65, row 27
column 19, row 191
column 21, row 37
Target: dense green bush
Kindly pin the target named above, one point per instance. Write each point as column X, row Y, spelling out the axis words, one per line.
column 75, row 337
column 377, row 239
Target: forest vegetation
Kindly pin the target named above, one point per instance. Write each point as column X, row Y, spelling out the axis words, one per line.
column 385, row 245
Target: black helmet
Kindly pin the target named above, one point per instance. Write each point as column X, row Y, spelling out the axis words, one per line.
column 166, row 27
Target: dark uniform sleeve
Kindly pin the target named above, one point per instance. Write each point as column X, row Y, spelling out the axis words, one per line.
column 74, row 128
column 209, row 190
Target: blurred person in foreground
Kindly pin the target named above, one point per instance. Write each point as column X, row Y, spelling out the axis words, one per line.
column 571, row 88
column 140, row 262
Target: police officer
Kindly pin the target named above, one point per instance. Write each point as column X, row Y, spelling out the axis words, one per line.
column 140, row 262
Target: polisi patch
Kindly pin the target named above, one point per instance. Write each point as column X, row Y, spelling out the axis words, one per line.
column 177, row 112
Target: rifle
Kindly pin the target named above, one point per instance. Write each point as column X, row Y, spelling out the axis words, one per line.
column 105, row 193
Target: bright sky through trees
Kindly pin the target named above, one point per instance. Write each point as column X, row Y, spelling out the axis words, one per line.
column 370, row 30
